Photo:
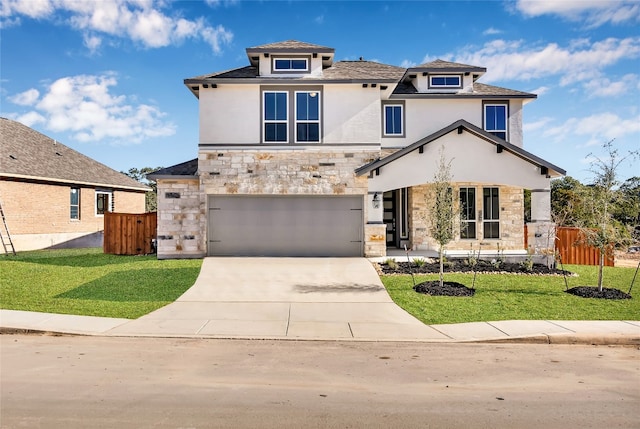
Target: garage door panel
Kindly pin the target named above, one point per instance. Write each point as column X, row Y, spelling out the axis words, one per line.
column 285, row 226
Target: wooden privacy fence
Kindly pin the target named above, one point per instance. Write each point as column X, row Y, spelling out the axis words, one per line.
column 129, row 234
column 575, row 253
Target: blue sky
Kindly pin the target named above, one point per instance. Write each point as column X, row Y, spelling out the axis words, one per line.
column 105, row 77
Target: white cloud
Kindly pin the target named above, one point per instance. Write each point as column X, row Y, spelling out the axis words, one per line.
column 590, row 12
column 491, row 31
column 595, row 129
column 26, row 98
column 536, row 125
column 512, row 60
column 319, row 19
column 540, row 91
column 85, row 106
column 30, row 118
column 407, row 64
column 604, row 87
column 142, row 21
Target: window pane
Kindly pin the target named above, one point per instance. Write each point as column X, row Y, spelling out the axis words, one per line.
column 490, row 118
column 74, row 212
column 283, row 64
column 75, row 196
column 308, row 132
column 468, row 230
column 299, row 64
column 438, row 81
column 393, row 120
column 388, row 120
column 397, row 120
column 275, row 106
column 453, row 80
column 275, row 132
column 491, row 230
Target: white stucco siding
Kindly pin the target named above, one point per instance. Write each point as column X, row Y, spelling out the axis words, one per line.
column 426, row 116
column 515, row 123
column 230, row 114
column 473, row 160
column 352, row 114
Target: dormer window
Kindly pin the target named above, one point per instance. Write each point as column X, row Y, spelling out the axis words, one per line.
column 290, row 64
column 445, row 81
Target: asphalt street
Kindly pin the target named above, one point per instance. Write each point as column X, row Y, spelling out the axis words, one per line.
column 100, row 382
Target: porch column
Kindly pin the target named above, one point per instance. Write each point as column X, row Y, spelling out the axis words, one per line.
column 542, row 229
column 375, row 243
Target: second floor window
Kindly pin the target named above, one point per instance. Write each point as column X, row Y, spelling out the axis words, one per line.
column 495, row 119
column 275, row 116
column 292, row 114
column 393, row 120
column 308, row 116
column 290, row 64
column 445, row 81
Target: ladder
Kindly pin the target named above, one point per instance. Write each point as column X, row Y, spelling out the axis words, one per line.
column 5, row 236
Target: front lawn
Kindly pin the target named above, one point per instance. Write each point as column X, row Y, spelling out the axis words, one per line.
column 518, row 297
column 88, row 282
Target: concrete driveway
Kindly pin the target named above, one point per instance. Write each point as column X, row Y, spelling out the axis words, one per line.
column 297, row 298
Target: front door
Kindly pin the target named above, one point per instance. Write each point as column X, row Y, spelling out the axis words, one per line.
column 389, row 217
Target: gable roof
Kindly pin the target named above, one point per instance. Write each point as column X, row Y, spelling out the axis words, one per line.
column 480, row 90
column 27, row 154
column 290, row 46
column 184, row 169
column 447, row 66
column 460, row 125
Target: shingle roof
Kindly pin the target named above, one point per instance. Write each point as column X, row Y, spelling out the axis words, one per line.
column 290, row 45
column 340, row 71
column 441, row 65
column 26, row 153
column 187, row 168
column 479, row 90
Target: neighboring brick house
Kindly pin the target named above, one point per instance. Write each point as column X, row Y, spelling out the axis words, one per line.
column 302, row 155
column 53, row 196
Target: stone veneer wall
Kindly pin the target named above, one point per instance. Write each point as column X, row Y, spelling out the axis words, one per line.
column 511, row 201
column 308, row 171
column 181, row 219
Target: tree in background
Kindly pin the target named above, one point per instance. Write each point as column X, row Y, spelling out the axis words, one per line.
column 151, row 197
column 567, row 201
column 627, row 211
column 599, row 227
column 443, row 210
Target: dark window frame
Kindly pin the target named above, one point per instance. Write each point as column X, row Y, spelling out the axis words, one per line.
column 497, row 133
column 291, row 91
column 403, row 119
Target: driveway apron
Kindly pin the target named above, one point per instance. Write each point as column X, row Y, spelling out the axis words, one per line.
column 295, row 298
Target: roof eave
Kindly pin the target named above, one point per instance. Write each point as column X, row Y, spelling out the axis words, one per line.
column 284, row 80
column 75, row 182
column 528, row 97
column 157, row 177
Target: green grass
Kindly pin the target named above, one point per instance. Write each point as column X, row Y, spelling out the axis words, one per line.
column 88, row 282
column 515, row 297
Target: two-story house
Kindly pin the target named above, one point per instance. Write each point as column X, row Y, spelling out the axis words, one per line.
column 301, row 155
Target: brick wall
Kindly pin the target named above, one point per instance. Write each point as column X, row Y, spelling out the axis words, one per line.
column 38, row 215
column 511, row 202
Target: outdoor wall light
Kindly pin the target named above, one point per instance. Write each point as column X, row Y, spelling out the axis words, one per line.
column 376, row 200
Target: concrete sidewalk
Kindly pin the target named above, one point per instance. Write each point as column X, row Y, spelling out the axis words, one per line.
column 524, row 331
column 307, row 299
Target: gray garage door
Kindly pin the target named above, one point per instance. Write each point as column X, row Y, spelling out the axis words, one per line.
column 285, row 225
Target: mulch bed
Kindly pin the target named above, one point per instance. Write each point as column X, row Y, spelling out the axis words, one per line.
column 462, row 266
column 594, row 292
column 448, row 289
